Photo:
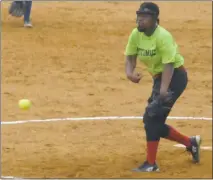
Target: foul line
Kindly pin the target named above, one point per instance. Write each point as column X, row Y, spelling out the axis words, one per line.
column 100, row 118
column 202, row 147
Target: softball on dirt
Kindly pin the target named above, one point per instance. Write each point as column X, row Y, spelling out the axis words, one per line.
column 24, row 104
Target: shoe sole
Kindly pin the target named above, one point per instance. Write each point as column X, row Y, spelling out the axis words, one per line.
column 198, row 141
column 28, row 26
column 138, row 170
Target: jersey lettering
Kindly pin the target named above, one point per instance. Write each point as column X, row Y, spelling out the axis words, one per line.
column 146, row 52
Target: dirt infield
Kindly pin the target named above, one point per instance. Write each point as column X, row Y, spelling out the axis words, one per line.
column 71, row 64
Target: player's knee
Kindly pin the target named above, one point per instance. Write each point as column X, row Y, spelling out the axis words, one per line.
column 148, row 117
column 152, row 133
column 145, row 117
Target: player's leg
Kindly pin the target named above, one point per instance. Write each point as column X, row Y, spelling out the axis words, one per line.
column 152, row 135
column 177, row 86
column 27, row 13
column 192, row 143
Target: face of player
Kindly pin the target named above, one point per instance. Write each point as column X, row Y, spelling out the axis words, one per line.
column 145, row 22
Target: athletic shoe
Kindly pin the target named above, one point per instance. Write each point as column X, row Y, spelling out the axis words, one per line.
column 194, row 149
column 28, row 25
column 146, row 167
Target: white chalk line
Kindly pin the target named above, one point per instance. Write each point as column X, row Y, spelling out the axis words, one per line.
column 202, row 147
column 176, row 145
column 100, row 118
column 10, row 177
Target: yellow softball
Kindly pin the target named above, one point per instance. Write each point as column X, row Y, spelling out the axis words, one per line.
column 24, row 104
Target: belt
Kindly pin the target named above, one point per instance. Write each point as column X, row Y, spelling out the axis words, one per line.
column 182, row 68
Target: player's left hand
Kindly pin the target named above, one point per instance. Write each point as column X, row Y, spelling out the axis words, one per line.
column 161, row 103
column 165, row 97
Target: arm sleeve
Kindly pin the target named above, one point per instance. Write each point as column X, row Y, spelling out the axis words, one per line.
column 131, row 47
column 167, row 49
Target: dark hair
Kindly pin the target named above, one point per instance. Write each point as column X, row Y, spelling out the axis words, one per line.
column 149, row 8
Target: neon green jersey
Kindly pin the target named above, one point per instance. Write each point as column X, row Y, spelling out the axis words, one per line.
column 154, row 51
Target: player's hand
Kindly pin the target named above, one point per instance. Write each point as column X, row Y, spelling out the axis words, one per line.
column 135, row 78
column 166, row 96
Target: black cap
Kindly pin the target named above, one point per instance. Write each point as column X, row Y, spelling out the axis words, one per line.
column 149, row 8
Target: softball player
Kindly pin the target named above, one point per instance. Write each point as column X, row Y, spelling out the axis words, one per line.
column 21, row 8
column 156, row 48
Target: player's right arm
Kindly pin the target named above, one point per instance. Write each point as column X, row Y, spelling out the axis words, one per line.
column 130, row 64
column 131, row 58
